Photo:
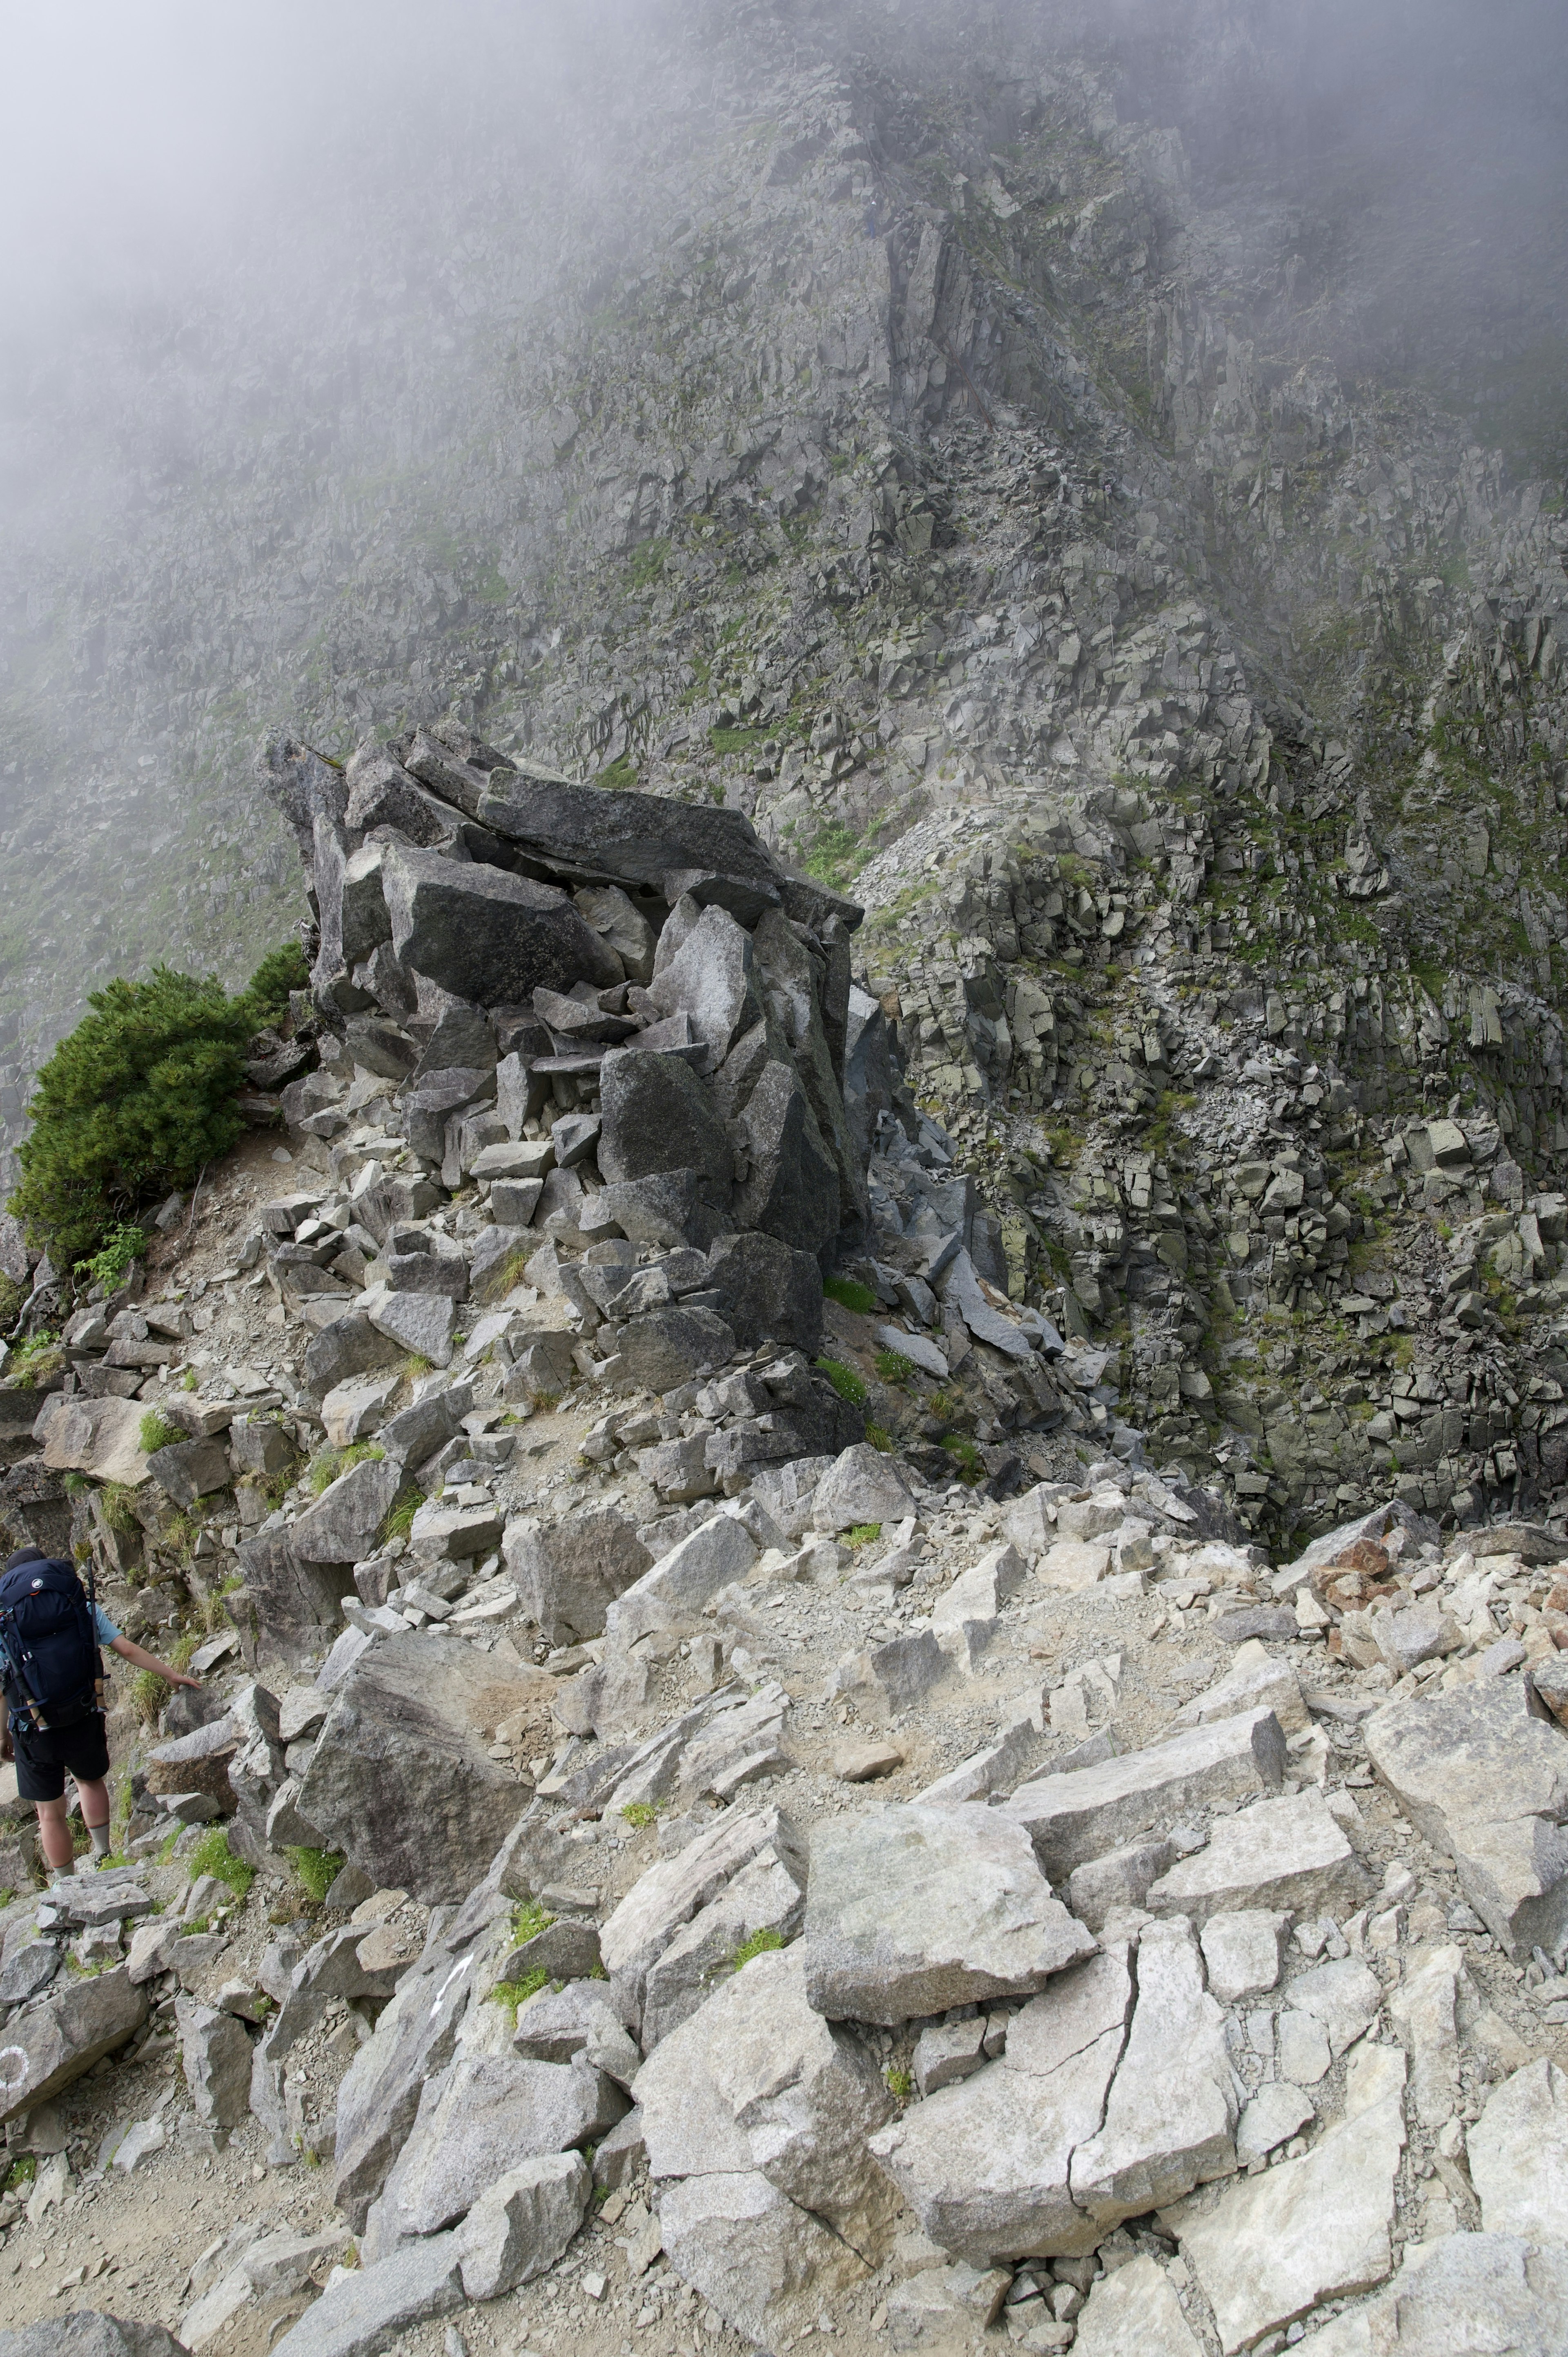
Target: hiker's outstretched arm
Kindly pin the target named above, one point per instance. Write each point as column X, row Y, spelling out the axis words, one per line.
column 142, row 1660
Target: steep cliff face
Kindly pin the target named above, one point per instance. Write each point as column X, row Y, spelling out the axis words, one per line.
column 1053, row 488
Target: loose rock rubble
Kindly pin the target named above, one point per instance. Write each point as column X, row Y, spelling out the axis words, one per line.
column 919, row 1894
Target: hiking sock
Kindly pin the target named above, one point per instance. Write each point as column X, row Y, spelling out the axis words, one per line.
column 99, row 1839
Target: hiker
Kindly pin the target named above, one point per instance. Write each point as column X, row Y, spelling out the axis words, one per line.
column 53, row 1680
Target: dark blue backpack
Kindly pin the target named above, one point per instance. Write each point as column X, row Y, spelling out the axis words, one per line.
column 49, row 1664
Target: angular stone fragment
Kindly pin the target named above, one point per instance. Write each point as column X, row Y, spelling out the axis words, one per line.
column 1424, row 2009
column 642, row 842
column 657, row 1116
column 675, row 1890
column 765, row 2265
column 1286, row 1853
column 944, row 2311
column 756, row 2079
column 486, row 936
column 217, row 2057
column 341, row 1526
column 569, row 1575
column 1135, row 2313
column 483, row 2115
column 522, row 2224
column 99, row 1437
column 365, row 2310
column 189, row 1469
column 1517, row 2152
column 791, row 1190
column 44, row 2047
column 767, row 1895
column 862, row 1485
column 1171, row 2118
column 986, row 2165
column 672, row 1346
column 1241, row 1952
column 709, row 979
column 1459, row 2297
column 379, row 2094
column 1276, row 2113
column 1082, row 1813
column 401, row 1781
column 88, row 2332
column 767, row 1292
column 674, row 1589
column 910, row 1910
column 1487, row 1783
column 1121, row 1878
column 1275, row 2246
column 421, row 1323
column 1255, row 1680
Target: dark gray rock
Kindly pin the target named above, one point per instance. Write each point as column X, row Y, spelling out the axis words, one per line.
column 670, row 1346
column 382, row 793
column 367, row 2308
column 349, row 1346
column 569, row 1577
column 379, row 2094
column 402, row 1781
column 485, row 936
column 659, row 1116
column 189, row 1469
column 380, row 1047
column 341, row 1526
column 668, row 1209
column 767, row 1292
column 639, row 841
column 462, row 1036
column 793, row 1190
column 709, row 979
column 288, row 1607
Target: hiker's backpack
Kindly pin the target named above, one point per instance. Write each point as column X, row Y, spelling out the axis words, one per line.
column 50, row 1662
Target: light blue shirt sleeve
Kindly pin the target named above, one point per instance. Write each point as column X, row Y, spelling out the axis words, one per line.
column 107, row 1631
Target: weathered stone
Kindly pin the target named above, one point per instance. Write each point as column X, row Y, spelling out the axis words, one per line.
column 1135, row 2313
column 949, row 2051
column 1487, row 1783
column 354, row 1409
column 1517, row 2152
column 481, row 2116
column 709, row 979
column 401, row 1781
column 668, row 1209
column 1424, row 2009
column 56, row 2040
column 1286, row 1853
column 99, row 1437
column 217, row 2057
column 364, row 2309
column 1256, row 1680
column 197, row 1762
column 87, row 2333
column 639, row 841
column 765, row 1895
column 189, row 1469
column 1082, row 1813
column 342, row 1525
column 862, row 1485
column 1121, row 1878
column 487, row 936
column 1455, row 2296
column 569, row 1575
column 1276, row 2113
column 656, row 1117
column 423, row 1323
column 944, row 2311
column 792, row 1189
column 911, row 1910
column 1275, row 2246
column 756, row 2079
column 675, row 1588
column 1171, row 2117
column 765, row 2264
column 767, row 1292
column 672, row 1346
column 522, row 2222
column 675, row 1890
column 349, row 1346
column 986, row 2164
column 379, row 2094
column 1241, row 1952
column 965, row 1616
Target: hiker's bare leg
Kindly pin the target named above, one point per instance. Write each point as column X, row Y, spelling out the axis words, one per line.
column 54, row 1834
column 54, row 1821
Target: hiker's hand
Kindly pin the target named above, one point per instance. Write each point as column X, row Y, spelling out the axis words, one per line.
column 178, row 1678
column 7, row 1748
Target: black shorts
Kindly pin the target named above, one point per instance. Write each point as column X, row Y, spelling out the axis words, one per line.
column 44, row 1753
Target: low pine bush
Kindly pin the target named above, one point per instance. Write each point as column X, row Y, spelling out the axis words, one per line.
column 135, row 1100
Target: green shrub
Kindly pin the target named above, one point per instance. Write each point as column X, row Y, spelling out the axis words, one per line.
column 850, row 1295
column 316, row 1870
column 37, row 1361
column 638, row 1814
column 879, row 1438
column 894, row 1367
column 12, row 1298
column 844, row 1381
column 135, row 1101
column 266, row 993
column 864, row 1533
column 527, row 1921
column 760, row 1943
column 155, row 1432
column 900, row 2083
column 327, row 1463
column 213, row 1855
column 112, row 1263
column 398, row 1522
column 149, row 1691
